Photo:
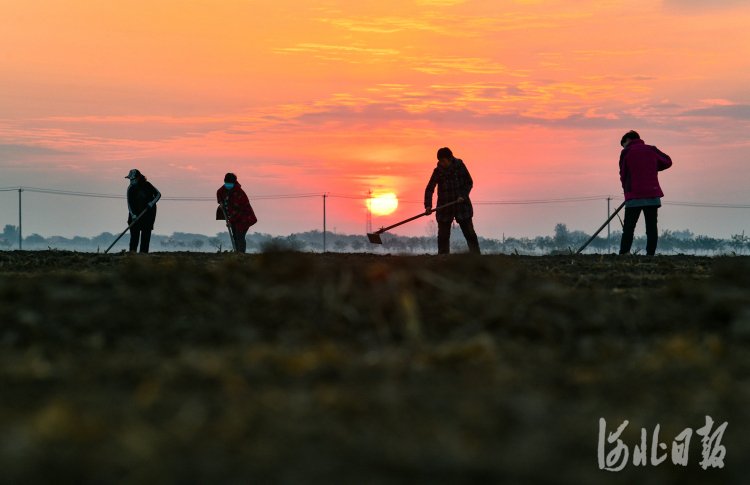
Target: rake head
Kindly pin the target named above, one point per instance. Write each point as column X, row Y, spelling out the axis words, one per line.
column 374, row 238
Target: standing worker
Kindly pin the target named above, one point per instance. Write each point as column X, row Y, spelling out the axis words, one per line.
column 639, row 168
column 237, row 206
column 141, row 196
column 453, row 183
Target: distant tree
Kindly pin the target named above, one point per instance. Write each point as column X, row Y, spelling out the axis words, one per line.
column 599, row 243
column 686, row 234
column 251, row 244
column 5, row 243
column 277, row 243
column 340, row 245
column 10, row 232
column 316, row 247
column 197, row 244
column 413, row 243
column 562, row 236
column 614, row 240
column 639, row 245
column 739, row 242
column 667, row 241
column 577, row 239
column 544, row 243
column 104, row 238
column 172, row 242
column 686, row 245
column 527, row 245
column 215, row 243
column 80, row 241
column 511, row 245
column 357, row 244
column 34, row 239
column 489, row 245
column 294, row 243
column 702, row 243
column 716, row 244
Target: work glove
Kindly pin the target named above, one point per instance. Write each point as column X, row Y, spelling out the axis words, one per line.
column 428, row 210
column 133, row 216
column 151, row 204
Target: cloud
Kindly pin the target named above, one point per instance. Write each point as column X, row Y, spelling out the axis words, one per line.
column 700, row 6
column 441, row 3
column 472, row 65
column 719, row 102
column 451, row 25
column 14, row 152
column 337, row 49
column 732, row 111
column 619, row 78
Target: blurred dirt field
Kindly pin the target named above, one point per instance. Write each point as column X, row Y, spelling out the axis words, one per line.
column 290, row 368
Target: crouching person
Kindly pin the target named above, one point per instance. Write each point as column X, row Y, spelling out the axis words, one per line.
column 237, row 208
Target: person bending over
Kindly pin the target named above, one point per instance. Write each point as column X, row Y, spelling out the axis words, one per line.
column 639, row 168
column 453, row 183
column 141, row 196
column 237, row 206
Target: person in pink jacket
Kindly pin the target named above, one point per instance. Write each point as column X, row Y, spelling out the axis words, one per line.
column 639, row 168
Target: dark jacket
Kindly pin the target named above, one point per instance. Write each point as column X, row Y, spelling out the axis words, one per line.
column 639, row 167
column 452, row 182
column 140, row 196
column 237, row 205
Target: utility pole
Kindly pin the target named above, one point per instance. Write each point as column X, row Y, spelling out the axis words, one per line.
column 368, row 220
column 609, row 246
column 20, row 236
column 324, row 223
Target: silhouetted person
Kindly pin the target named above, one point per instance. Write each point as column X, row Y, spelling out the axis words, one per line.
column 141, row 196
column 239, row 212
column 639, row 168
column 453, row 183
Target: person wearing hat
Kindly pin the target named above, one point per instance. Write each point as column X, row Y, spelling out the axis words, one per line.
column 237, row 207
column 141, row 196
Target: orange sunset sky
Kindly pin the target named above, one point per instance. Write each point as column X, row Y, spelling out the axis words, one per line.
column 344, row 96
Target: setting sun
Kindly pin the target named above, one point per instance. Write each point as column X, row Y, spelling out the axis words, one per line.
column 383, row 204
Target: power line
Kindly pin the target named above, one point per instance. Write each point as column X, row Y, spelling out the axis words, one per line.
column 699, row 204
column 67, row 192
column 113, row 196
column 305, row 195
column 541, row 201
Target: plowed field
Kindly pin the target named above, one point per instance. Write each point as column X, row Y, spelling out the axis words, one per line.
column 182, row 368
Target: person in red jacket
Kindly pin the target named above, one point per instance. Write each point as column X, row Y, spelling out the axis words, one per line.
column 238, row 209
column 639, row 168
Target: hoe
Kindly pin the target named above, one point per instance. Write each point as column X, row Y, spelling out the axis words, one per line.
column 375, row 238
column 603, row 226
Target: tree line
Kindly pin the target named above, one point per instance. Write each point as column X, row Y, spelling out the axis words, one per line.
column 563, row 241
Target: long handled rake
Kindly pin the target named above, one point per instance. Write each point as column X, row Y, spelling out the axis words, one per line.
column 601, row 228
column 375, row 238
column 229, row 228
column 127, row 229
